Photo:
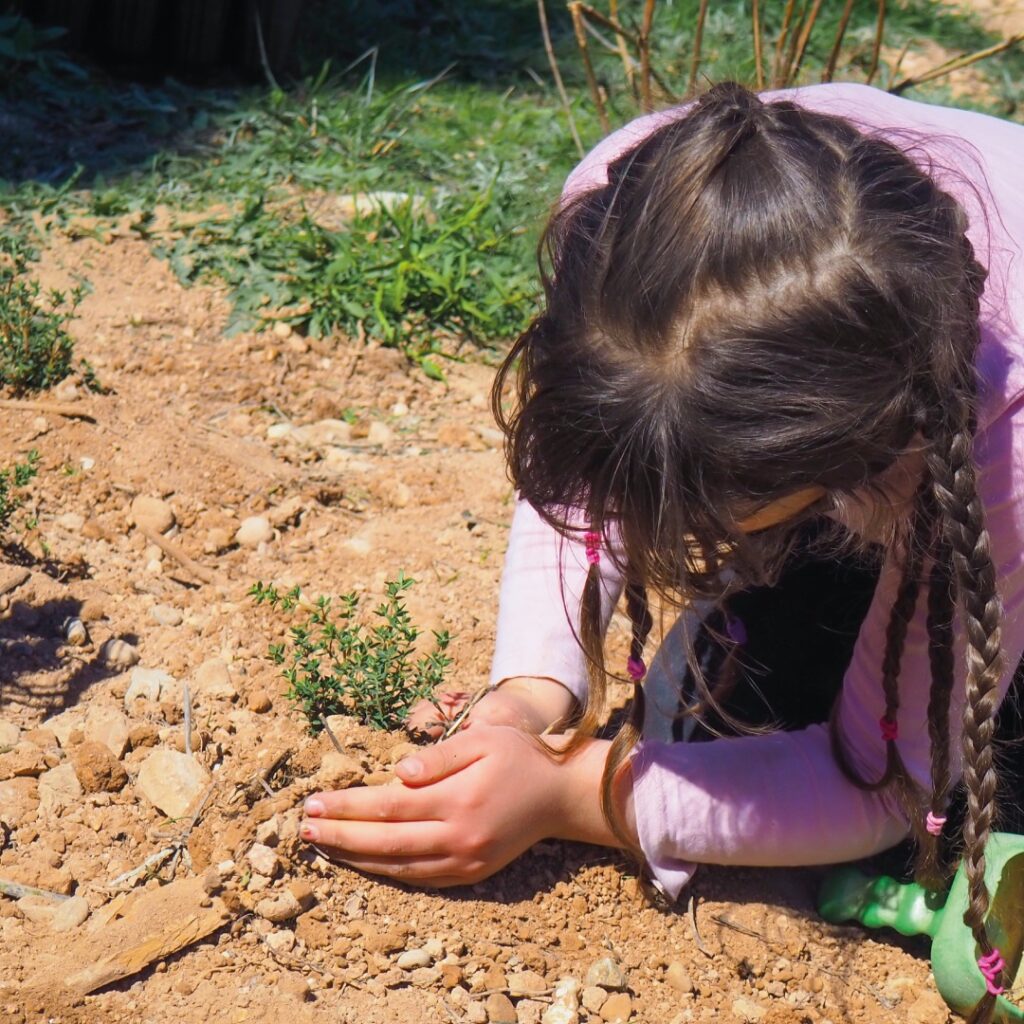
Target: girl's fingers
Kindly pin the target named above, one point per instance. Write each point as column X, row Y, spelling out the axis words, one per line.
column 441, row 760
column 370, row 839
column 372, row 803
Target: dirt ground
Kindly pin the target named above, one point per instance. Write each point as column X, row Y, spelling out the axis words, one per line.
column 219, row 430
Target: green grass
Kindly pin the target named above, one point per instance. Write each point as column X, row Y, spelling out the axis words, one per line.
column 446, row 102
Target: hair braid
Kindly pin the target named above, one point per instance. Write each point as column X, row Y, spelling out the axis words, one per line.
column 954, row 484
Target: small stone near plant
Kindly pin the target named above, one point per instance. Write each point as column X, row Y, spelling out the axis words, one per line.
column 617, row 1008
column 411, row 959
column 152, row 514
column 592, row 997
column 338, row 771
column 97, row 769
column 254, row 531
column 281, row 941
column 263, row 859
column 213, row 679
column 500, row 1009
column 120, row 654
column 526, row 983
column 678, row 977
column 172, row 782
column 59, row 789
column 608, row 973
column 105, row 724
column 165, row 615
column 259, row 702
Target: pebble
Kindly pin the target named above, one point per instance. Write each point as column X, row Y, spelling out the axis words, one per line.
column 499, row 1009
column 59, row 789
column 171, row 781
column 71, row 521
column 75, row 632
column 278, row 430
column 269, row 832
column 26, row 759
column 259, row 702
column 338, row 771
column 281, row 941
column 263, row 859
column 434, row 948
column 152, row 514
column 592, row 997
column 295, row 986
column 608, row 973
column 526, row 983
column 9, row 733
column 165, row 615
column 476, row 1013
column 748, row 1011
column 323, row 432
column 117, row 653
column 678, row 977
column 59, row 917
column 567, row 993
column 425, row 977
column 414, row 958
column 555, row 1014
column 97, row 769
column 19, row 799
column 279, row 908
column 105, row 724
column 148, row 684
column 617, row 1008
column 213, row 679
column 381, row 433
column 253, row 531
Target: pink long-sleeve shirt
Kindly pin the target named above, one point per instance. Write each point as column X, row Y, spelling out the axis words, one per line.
column 780, row 799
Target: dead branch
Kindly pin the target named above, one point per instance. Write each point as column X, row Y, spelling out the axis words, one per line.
column 877, row 48
column 563, row 96
column 698, row 39
column 71, row 412
column 168, row 547
column 620, row 39
column 758, row 55
column 956, row 64
column 645, row 56
column 833, row 57
column 780, row 42
column 588, row 67
column 16, row 891
column 805, row 35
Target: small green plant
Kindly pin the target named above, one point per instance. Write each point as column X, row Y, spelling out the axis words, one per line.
column 12, row 481
column 336, row 664
column 35, row 349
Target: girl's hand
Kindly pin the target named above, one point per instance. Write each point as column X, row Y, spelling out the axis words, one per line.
column 528, row 703
column 465, row 808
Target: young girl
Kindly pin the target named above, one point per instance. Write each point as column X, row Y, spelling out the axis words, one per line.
column 770, row 323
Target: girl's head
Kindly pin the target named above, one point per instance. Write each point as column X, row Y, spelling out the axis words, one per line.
column 764, row 304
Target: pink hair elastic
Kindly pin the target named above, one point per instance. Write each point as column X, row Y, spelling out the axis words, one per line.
column 889, row 728
column 593, row 544
column 992, row 966
column 636, row 669
column 933, row 823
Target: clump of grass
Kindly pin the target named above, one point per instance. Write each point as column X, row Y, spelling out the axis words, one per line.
column 35, row 349
column 335, row 664
column 13, row 480
column 402, row 273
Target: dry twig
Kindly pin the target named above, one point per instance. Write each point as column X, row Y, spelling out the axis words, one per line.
column 563, row 96
column 16, row 891
column 833, row 57
column 698, row 39
column 71, row 412
column 200, row 572
column 691, row 909
column 755, row 16
column 877, row 48
column 956, row 63
column 645, row 56
column 588, row 67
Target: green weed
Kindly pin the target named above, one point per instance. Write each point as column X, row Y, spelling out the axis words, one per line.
column 335, row 664
column 35, row 349
column 13, row 481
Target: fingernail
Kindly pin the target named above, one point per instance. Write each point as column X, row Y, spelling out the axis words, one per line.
column 310, row 832
column 412, row 767
column 314, row 807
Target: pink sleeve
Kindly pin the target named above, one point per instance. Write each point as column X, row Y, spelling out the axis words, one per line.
column 780, row 799
column 539, row 610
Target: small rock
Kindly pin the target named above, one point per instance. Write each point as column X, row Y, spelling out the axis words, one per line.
column 315, row 934
column 19, row 799
column 451, row 975
column 152, row 514
column 617, row 1008
column 282, row 329
column 145, row 734
column 147, row 684
column 254, row 531
column 9, row 734
column 500, row 1009
column 476, row 1013
column 59, row 917
column 269, row 832
column 119, row 654
column 165, row 615
column 678, row 977
column 263, row 859
column 338, row 771
column 218, row 539
column 172, row 782
column 526, row 983
column 302, row 893
column 434, row 948
column 105, row 724
column 259, row 702
column 281, row 940
column 748, row 1011
column 94, row 609
column 324, row 432
column 213, row 679
column 381, row 433
column 425, row 977
column 295, row 986
column 528, row 1011
column 75, row 632
column 593, row 997
column 97, row 769
column 59, row 789
column 411, row 959
column 278, row 430
column 567, row 993
column 607, row 973
column 279, row 908
column 555, row 1014
column 25, row 760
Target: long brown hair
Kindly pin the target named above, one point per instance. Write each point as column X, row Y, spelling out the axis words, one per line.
column 761, row 299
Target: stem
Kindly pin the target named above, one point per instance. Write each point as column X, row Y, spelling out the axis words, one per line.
column 698, row 39
column 627, row 61
column 758, row 55
column 780, row 42
column 877, row 49
column 949, row 66
column 549, row 49
column 645, row 56
column 581, row 42
column 805, row 36
column 830, row 68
